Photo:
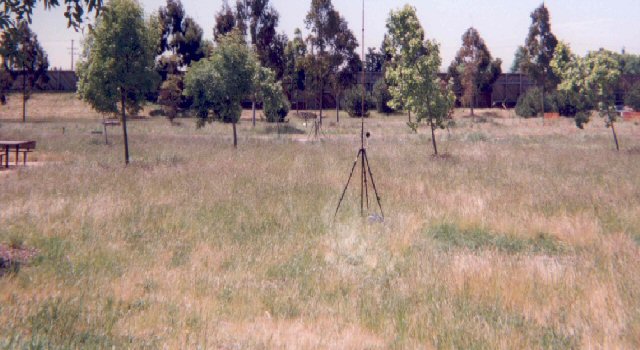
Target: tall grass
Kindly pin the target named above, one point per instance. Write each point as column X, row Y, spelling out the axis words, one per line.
column 526, row 237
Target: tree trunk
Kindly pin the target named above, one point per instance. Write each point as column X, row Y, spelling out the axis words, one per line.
column 24, row 97
column 433, row 139
column 253, row 109
column 409, row 116
column 615, row 136
column 297, row 102
column 124, row 126
column 321, row 104
column 542, row 105
column 338, row 108
column 235, row 136
column 473, row 102
column 106, row 137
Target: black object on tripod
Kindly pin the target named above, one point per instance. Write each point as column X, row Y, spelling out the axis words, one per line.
column 365, row 174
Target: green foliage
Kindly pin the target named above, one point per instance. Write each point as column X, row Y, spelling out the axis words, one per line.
column 179, row 33
column 539, row 48
column 352, row 102
column 382, row 97
column 629, row 64
column 333, row 61
column 118, row 60
column 592, row 82
column 412, row 72
column 374, row 60
column 633, row 97
column 453, row 237
column 276, row 104
column 13, row 12
column 170, row 95
column 474, row 70
column 220, row 83
column 518, row 59
column 225, row 22
column 529, row 103
column 6, row 81
column 24, row 59
column 261, row 19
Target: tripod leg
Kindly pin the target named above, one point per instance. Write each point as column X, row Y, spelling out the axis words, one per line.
column 362, row 184
column 364, row 177
column 375, row 190
column 344, row 191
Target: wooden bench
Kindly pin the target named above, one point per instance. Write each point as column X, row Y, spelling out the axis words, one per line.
column 27, row 149
column 19, row 146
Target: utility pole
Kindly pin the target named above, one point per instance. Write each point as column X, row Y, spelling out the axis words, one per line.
column 72, row 51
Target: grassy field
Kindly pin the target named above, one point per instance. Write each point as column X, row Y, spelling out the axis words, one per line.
column 525, row 236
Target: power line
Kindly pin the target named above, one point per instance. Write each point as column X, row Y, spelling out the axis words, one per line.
column 72, row 51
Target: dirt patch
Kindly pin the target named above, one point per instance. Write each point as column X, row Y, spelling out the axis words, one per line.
column 12, row 258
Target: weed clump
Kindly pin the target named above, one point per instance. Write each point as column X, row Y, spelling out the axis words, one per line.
column 451, row 236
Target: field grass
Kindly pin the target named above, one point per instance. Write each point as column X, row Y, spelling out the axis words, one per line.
column 525, row 236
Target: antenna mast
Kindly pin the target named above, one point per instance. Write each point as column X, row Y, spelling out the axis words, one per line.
column 366, row 175
column 364, row 62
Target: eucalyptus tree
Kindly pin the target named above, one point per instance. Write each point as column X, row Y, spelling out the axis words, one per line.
column 332, row 57
column 180, row 34
column 117, row 70
column 225, row 21
column 412, row 72
column 518, row 59
column 24, row 59
column 539, row 48
column 294, row 74
column 473, row 69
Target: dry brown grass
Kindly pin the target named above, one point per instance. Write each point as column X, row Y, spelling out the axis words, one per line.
column 527, row 236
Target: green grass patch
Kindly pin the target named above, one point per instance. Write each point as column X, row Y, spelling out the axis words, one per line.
column 451, row 236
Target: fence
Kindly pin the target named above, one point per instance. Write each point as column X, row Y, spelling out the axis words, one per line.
column 506, row 90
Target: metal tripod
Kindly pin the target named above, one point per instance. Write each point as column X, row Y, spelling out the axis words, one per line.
column 365, row 173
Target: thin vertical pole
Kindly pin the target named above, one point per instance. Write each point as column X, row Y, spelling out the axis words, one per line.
column 363, row 183
column 72, row 53
column 363, row 83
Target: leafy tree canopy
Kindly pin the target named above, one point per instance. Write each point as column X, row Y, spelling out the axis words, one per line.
column 117, row 67
column 180, row 34
column 474, row 70
column 539, row 48
column 592, row 80
column 413, row 71
column 22, row 56
column 218, row 84
column 332, row 60
column 12, row 12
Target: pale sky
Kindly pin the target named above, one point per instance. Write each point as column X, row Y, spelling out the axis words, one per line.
column 585, row 24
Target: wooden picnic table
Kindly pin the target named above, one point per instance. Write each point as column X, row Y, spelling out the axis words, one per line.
column 19, row 146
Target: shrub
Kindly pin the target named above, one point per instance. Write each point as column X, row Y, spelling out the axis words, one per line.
column 170, row 96
column 382, row 96
column 563, row 103
column 276, row 104
column 528, row 105
column 633, row 97
column 352, row 103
